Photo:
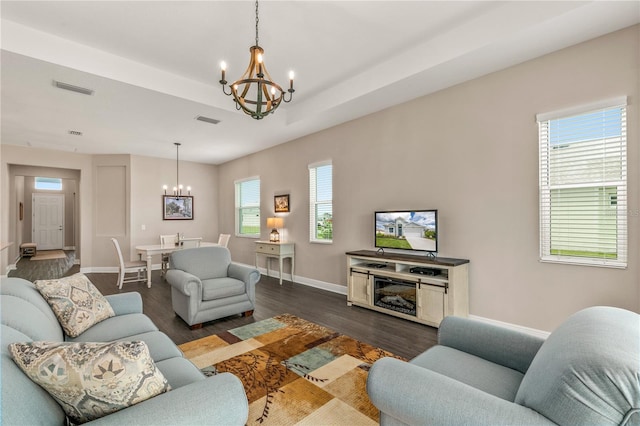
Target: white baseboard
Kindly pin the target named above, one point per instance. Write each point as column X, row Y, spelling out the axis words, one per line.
column 110, row 269
column 522, row 329
column 322, row 285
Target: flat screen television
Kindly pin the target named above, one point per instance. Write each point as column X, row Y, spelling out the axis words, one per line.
column 407, row 230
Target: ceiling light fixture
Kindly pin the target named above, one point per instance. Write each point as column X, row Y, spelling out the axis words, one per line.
column 177, row 190
column 254, row 94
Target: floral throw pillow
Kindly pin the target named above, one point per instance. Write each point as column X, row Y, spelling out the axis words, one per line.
column 91, row 380
column 76, row 302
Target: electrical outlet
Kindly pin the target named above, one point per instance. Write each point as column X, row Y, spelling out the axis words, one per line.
column 143, row 227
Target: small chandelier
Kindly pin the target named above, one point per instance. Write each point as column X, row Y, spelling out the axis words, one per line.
column 177, row 190
column 254, row 94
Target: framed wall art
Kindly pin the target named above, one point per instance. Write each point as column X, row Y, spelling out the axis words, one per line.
column 177, row 207
column 281, row 203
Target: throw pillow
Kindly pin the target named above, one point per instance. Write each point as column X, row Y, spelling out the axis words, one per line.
column 91, row 380
column 76, row 302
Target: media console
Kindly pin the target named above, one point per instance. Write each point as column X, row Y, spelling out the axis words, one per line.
column 413, row 287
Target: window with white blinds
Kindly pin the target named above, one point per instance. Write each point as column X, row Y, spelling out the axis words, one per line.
column 321, row 202
column 583, row 185
column 248, row 207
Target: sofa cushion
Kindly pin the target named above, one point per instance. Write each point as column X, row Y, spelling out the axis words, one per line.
column 474, row 371
column 76, row 302
column 588, row 370
column 91, row 380
column 219, row 288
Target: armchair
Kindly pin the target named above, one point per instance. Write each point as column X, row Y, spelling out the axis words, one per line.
column 206, row 285
column 586, row 372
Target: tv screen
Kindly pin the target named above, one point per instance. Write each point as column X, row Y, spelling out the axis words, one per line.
column 407, row 230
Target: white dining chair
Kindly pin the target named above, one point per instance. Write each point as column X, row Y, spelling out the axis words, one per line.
column 190, row 243
column 223, row 240
column 137, row 266
column 169, row 241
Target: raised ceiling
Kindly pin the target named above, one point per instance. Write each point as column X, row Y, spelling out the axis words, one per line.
column 154, row 65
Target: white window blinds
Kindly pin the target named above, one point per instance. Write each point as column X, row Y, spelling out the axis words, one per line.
column 321, row 202
column 248, row 207
column 583, row 185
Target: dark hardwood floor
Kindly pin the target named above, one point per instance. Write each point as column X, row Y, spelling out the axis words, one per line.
column 401, row 337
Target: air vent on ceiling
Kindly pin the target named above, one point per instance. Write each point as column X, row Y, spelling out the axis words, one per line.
column 207, row 119
column 75, row 133
column 71, row 87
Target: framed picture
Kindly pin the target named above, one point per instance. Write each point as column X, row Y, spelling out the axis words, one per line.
column 281, row 203
column 177, row 207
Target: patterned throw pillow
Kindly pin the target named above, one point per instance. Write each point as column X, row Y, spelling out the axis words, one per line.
column 91, row 380
column 77, row 303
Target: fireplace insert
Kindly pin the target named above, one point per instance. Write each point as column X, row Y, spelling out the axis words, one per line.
column 396, row 295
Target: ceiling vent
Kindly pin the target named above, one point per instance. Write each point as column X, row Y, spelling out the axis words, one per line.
column 207, row 119
column 71, row 87
column 75, row 133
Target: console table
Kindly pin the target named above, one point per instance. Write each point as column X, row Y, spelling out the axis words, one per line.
column 280, row 250
column 408, row 286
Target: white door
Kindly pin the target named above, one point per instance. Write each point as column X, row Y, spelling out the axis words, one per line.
column 48, row 221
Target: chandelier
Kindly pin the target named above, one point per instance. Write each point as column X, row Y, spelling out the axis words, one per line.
column 255, row 93
column 177, row 190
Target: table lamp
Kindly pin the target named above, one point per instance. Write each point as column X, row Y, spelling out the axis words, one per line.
column 274, row 223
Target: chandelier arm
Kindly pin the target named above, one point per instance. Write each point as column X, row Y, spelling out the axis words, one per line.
column 225, row 92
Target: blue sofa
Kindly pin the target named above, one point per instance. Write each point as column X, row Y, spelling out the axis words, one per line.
column 586, row 372
column 194, row 399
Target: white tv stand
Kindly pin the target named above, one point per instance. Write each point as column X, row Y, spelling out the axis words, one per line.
column 384, row 282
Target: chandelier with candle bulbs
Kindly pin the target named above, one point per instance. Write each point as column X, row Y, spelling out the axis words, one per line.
column 255, row 93
column 177, row 190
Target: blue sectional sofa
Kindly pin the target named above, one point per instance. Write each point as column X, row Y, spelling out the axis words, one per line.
column 194, row 398
column 587, row 372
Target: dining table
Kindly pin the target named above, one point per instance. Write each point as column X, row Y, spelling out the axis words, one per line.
column 149, row 250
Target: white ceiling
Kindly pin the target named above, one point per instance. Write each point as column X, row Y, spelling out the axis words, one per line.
column 154, row 65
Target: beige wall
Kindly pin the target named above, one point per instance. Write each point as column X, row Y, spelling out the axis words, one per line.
column 148, row 175
column 471, row 152
column 117, row 195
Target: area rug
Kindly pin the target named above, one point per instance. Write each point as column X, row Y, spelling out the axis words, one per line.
column 49, row 255
column 293, row 371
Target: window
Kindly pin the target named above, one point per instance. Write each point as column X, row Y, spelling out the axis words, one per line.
column 48, row 184
column 248, row 207
column 583, row 185
column 321, row 202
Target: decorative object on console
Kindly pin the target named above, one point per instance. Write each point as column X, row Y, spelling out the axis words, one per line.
column 268, row 95
column 177, row 190
column 281, row 203
column 274, row 223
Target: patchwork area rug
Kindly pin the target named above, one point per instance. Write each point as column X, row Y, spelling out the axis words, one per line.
column 293, row 371
column 49, row 255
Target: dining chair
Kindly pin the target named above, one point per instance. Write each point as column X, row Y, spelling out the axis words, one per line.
column 223, row 240
column 137, row 266
column 170, row 241
column 190, row 243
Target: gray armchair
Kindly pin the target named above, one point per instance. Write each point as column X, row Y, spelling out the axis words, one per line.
column 206, row 285
column 586, row 372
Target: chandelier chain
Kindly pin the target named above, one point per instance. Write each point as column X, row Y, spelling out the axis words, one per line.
column 257, row 20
